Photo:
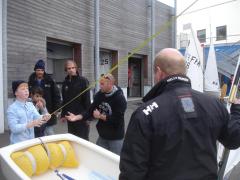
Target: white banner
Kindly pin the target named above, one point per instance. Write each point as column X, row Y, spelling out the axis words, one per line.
column 194, row 60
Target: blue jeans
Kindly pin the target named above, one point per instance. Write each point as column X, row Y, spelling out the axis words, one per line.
column 114, row 146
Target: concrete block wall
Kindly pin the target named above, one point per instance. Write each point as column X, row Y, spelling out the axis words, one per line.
column 123, row 26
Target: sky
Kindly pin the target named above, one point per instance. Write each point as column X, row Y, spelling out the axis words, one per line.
column 181, row 5
column 168, row 2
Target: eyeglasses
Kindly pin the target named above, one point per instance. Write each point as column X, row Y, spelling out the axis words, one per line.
column 107, row 76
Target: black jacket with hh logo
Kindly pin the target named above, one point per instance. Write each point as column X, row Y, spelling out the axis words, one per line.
column 173, row 135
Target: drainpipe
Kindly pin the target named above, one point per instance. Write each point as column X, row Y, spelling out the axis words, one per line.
column 3, row 65
column 153, row 40
column 174, row 25
column 96, row 39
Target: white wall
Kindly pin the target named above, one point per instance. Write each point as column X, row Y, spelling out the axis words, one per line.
column 219, row 15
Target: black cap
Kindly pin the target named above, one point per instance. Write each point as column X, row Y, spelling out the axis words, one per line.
column 15, row 85
column 40, row 64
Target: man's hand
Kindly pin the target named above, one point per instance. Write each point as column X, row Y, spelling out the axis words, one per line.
column 72, row 117
column 96, row 114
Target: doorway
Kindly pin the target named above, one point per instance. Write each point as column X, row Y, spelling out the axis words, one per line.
column 134, row 77
column 57, row 53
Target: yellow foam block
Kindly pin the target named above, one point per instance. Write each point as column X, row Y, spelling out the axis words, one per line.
column 41, row 158
column 70, row 157
column 55, row 155
column 23, row 161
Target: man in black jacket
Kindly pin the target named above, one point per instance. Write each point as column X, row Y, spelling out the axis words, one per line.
column 51, row 93
column 173, row 135
column 108, row 107
column 72, row 86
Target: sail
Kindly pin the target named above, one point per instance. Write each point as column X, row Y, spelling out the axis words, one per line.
column 211, row 80
column 233, row 160
column 194, row 62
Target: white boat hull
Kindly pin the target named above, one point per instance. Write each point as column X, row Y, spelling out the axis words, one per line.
column 95, row 162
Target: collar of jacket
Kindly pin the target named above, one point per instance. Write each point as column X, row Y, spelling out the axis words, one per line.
column 72, row 77
column 160, row 86
column 114, row 89
column 46, row 77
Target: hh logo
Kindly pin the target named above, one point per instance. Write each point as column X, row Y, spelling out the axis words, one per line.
column 150, row 108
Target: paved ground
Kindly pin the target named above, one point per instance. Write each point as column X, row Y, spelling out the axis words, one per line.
column 62, row 127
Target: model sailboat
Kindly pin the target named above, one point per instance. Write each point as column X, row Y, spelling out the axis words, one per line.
column 211, row 80
column 194, row 62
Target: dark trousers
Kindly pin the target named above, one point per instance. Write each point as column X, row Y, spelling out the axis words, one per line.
column 79, row 128
column 39, row 131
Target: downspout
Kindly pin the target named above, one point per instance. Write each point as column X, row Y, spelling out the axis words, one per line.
column 153, row 40
column 3, row 66
column 174, row 25
column 96, row 39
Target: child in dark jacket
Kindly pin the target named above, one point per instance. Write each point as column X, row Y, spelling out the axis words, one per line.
column 40, row 104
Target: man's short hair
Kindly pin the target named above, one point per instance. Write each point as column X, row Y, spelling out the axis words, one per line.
column 70, row 62
column 171, row 63
column 108, row 76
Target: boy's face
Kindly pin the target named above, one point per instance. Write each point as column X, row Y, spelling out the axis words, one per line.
column 36, row 97
column 22, row 92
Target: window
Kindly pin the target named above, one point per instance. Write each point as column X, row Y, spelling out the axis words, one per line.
column 183, row 40
column 221, row 33
column 201, row 34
